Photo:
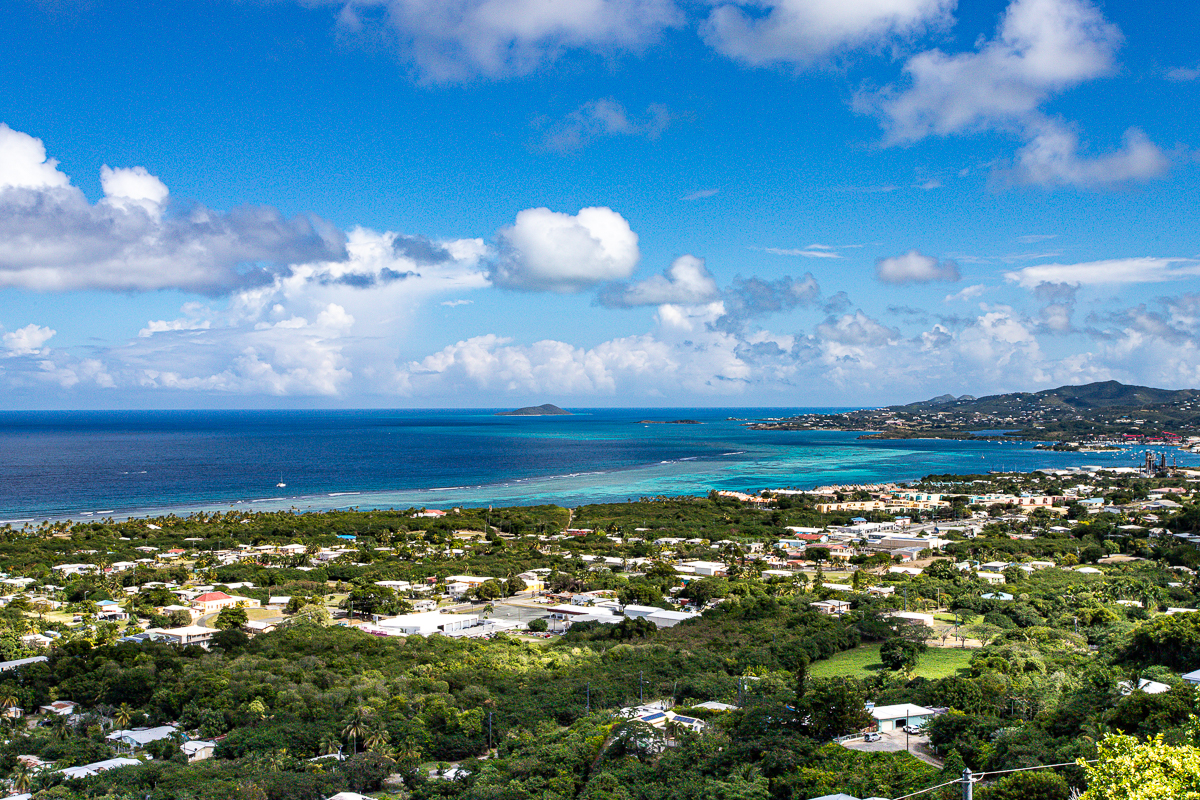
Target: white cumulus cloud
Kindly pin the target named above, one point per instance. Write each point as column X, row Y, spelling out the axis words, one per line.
column 1042, row 47
column 801, row 31
column 915, row 267
column 27, row 341
column 687, row 281
column 23, row 162
column 53, row 239
column 548, row 250
column 1052, row 158
column 453, row 40
column 133, row 186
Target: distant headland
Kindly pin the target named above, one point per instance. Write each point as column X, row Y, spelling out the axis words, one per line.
column 545, row 410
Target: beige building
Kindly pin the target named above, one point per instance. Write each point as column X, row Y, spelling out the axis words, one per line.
column 213, row 602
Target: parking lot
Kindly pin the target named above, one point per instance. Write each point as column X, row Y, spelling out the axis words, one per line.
column 894, row 742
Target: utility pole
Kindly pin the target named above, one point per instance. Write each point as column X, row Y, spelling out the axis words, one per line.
column 641, row 698
column 489, row 733
column 589, row 697
column 968, row 789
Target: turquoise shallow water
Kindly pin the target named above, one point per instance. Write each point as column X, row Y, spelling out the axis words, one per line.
column 96, row 464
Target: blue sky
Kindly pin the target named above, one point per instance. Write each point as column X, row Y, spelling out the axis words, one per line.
column 599, row 202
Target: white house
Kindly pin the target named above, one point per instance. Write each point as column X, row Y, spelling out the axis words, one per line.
column 994, row 578
column 188, row 634
column 198, row 750
column 140, row 737
column 706, row 568
column 836, row 607
column 892, row 718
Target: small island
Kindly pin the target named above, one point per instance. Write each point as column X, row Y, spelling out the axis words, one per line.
column 545, row 410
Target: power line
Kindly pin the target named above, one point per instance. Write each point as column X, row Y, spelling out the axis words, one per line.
column 971, row 778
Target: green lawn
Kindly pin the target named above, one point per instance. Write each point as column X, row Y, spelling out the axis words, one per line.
column 862, row 662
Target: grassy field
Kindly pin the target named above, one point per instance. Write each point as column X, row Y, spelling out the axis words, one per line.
column 862, row 662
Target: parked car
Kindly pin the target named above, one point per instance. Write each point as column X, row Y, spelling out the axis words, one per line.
column 871, row 737
column 912, row 729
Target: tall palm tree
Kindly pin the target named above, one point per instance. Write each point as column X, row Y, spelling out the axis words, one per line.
column 122, row 716
column 356, row 728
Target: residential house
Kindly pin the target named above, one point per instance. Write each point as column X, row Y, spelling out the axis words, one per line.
column 137, row 738
column 214, row 602
column 835, row 607
column 198, row 750
column 62, row 708
column 187, row 635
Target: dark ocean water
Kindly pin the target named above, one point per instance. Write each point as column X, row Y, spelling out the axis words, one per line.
column 96, row 464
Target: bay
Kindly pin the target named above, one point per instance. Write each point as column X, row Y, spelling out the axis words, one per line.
column 80, row 465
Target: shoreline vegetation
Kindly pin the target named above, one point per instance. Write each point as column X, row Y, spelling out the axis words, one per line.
column 720, row 646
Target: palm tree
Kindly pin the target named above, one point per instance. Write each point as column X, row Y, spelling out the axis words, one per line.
column 376, row 738
column 21, row 777
column 356, row 728
column 122, row 716
column 329, row 745
column 59, row 727
column 276, row 759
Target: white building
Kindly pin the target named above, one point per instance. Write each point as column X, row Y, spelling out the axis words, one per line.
column 706, row 568
column 893, row 718
column 140, row 737
column 198, row 750
column 425, row 623
column 188, row 634
column 88, row 770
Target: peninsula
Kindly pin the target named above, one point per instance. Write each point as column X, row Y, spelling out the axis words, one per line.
column 544, row 410
column 1091, row 414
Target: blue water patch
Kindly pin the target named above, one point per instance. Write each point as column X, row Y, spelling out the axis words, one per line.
column 89, row 465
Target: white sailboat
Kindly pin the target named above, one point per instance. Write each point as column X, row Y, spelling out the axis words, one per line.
column 281, row 484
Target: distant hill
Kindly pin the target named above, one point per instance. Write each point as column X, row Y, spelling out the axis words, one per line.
column 1102, row 394
column 1091, row 414
column 545, row 410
